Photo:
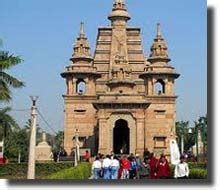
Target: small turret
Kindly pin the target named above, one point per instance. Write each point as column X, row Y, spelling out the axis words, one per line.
column 81, row 47
column 159, row 50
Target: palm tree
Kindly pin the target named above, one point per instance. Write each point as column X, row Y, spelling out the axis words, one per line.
column 6, row 80
column 7, row 122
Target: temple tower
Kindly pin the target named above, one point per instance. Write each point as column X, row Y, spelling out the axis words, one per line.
column 80, row 78
column 119, row 100
column 159, row 77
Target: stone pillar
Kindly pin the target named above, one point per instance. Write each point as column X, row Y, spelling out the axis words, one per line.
column 73, row 86
column 103, row 136
column 88, row 90
column 150, row 87
column 140, row 136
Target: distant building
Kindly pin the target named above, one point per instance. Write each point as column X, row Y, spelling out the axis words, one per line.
column 119, row 100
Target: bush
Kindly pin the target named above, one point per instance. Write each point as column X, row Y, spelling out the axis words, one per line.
column 82, row 171
column 197, row 173
column 201, row 165
column 19, row 171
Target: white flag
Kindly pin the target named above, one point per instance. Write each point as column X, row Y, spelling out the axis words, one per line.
column 174, row 152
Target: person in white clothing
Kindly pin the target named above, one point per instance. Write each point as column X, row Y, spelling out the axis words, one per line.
column 96, row 168
column 114, row 168
column 107, row 162
column 181, row 169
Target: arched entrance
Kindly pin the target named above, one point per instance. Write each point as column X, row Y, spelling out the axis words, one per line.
column 121, row 140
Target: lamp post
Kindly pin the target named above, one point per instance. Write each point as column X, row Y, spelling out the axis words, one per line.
column 32, row 144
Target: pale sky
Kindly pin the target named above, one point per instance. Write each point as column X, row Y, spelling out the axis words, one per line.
column 42, row 33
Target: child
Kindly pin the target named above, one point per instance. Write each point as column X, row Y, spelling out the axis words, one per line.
column 181, row 169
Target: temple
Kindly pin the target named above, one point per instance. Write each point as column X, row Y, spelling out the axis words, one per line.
column 120, row 99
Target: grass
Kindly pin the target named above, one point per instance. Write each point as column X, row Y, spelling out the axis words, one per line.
column 82, row 171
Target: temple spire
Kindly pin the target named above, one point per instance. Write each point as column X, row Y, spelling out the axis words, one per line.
column 158, row 30
column 82, row 32
column 119, row 14
column 81, row 47
column 159, row 48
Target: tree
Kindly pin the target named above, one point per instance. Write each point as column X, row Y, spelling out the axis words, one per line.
column 17, row 143
column 59, row 140
column 182, row 128
column 7, row 123
column 6, row 80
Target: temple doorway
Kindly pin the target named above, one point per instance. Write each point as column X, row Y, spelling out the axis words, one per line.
column 121, row 139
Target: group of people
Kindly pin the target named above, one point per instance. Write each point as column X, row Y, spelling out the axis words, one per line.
column 133, row 167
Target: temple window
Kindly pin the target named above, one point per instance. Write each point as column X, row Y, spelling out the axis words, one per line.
column 159, row 87
column 80, row 87
column 160, row 142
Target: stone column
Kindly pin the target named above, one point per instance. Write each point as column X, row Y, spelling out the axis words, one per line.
column 103, row 139
column 140, row 135
column 88, row 90
column 150, row 87
column 73, row 86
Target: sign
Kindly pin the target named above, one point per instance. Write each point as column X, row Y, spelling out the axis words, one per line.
column 174, row 152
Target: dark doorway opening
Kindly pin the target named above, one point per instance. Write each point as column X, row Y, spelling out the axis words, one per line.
column 121, row 137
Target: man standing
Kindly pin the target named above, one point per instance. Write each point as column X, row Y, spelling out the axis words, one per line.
column 96, row 168
column 107, row 162
column 114, row 168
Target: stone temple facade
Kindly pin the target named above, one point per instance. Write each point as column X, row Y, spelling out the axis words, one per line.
column 119, row 100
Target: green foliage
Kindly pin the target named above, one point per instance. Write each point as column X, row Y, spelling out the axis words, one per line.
column 7, row 123
column 6, row 80
column 198, row 173
column 17, row 143
column 59, row 141
column 83, row 171
column 182, row 128
column 201, row 165
column 19, row 171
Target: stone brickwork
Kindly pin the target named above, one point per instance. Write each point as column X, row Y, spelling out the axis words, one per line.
column 119, row 86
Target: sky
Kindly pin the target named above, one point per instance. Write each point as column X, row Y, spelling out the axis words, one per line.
column 43, row 32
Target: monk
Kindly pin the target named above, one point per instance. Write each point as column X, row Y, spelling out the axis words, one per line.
column 163, row 168
column 153, row 166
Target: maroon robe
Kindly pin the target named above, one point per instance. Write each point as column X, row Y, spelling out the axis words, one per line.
column 163, row 170
column 153, row 168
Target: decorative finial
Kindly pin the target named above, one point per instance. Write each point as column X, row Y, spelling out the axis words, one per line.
column 119, row 13
column 120, row 1
column 82, row 33
column 158, row 30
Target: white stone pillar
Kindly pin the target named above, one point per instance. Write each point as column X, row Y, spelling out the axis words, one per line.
column 32, row 144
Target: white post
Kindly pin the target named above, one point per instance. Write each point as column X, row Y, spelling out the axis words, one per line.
column 77, row 147
column 75, row 158
column 32, row 144
column 182, row 144
column 19, row 156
